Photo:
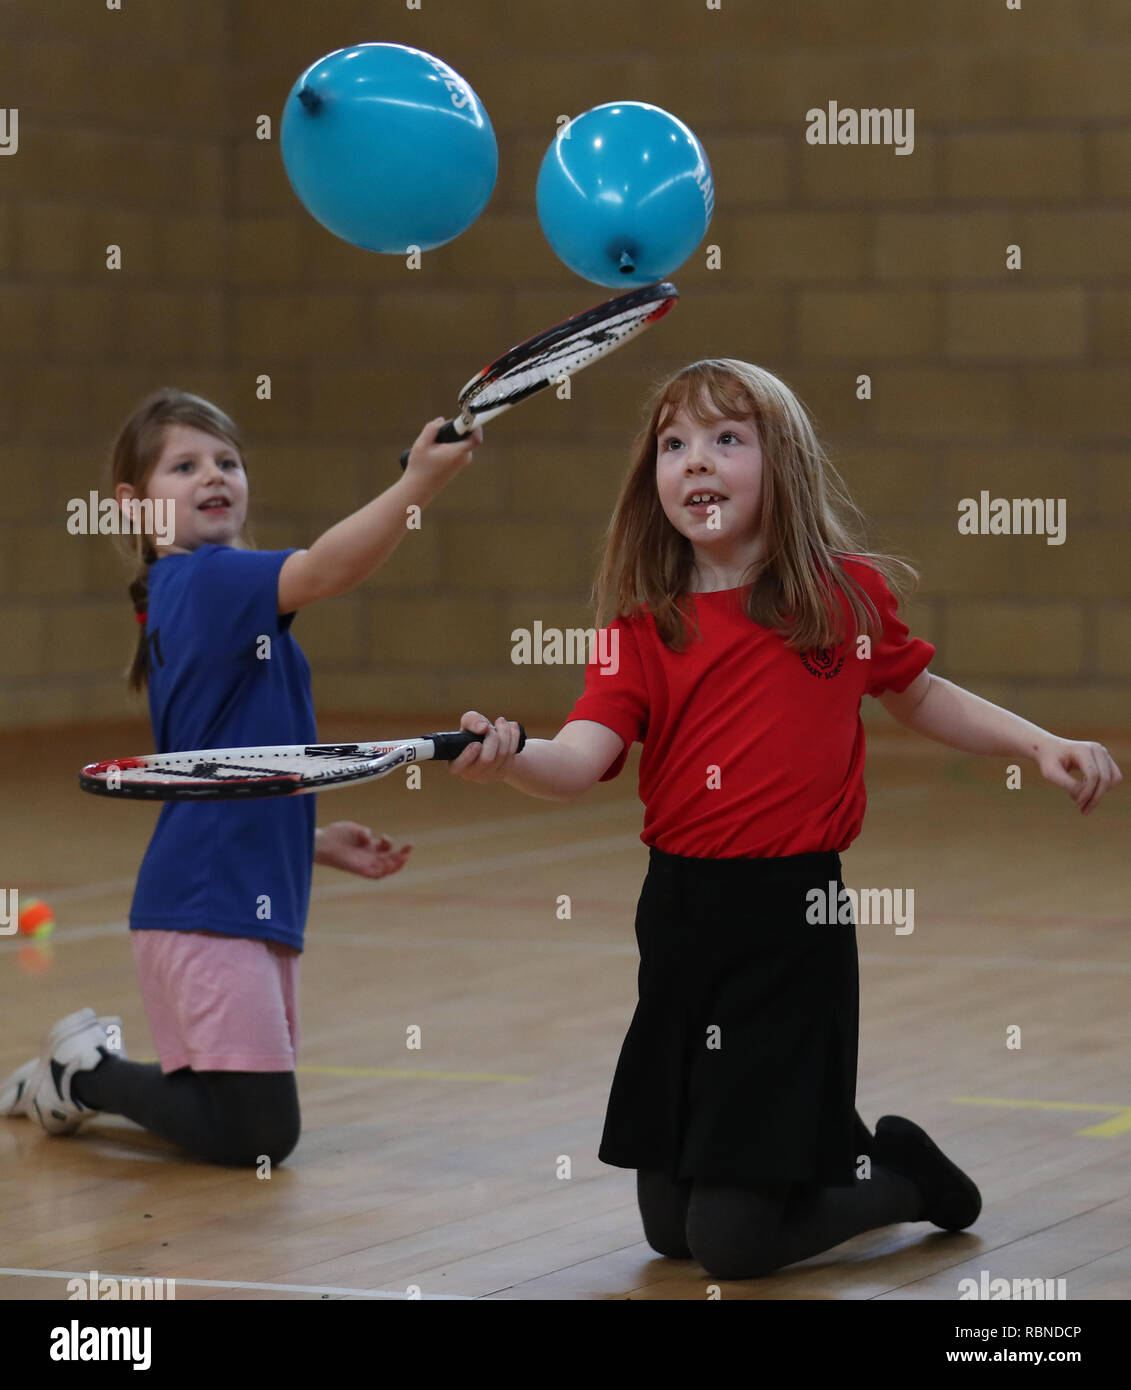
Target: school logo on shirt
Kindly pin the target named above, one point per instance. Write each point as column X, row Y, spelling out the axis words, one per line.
column 822, row 661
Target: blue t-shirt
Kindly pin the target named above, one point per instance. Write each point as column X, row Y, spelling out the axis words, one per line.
column 225, row 672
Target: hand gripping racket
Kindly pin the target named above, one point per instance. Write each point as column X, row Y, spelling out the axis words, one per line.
column 559, row 351
column 231, row 774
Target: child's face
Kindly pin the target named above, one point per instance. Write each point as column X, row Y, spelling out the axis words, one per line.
column 203, row 476
column 722, row 460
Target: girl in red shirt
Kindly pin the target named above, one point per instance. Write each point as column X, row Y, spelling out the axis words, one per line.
column 746, row 626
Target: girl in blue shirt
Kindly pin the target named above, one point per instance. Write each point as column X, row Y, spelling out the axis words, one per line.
column 222, row 894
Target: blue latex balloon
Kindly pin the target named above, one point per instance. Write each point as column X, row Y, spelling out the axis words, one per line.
column 388, row 147
column 625, row 193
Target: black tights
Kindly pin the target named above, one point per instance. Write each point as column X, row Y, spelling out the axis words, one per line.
column 748, row 1231
column 231, row 1117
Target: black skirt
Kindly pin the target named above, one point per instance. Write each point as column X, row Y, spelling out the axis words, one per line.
column 740, row 1061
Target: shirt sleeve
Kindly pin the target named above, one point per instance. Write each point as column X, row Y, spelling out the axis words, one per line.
column 615, row 694
column 897, row 657
column 236, row 593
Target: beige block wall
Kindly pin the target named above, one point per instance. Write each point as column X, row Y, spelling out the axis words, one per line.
column 137, row 128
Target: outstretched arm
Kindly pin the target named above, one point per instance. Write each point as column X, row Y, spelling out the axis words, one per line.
column 945, row 712
column 353, row 548
column 557, row 769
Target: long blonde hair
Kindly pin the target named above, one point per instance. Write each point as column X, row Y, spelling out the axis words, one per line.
column 808, row 520
column 134, row 456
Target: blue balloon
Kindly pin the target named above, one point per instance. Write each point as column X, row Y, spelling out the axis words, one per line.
column 625, row 193
column 388, row 147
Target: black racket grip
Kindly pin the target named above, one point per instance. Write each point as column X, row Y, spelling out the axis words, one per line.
column 450, row 746
column 446, row 434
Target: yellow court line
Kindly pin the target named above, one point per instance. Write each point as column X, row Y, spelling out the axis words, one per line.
column 1120, row 1123
column 405, row 1072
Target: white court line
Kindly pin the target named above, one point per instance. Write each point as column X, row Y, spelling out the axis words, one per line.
column 91, row 890
column 627, row 947
column 409, row 941
column 502, row 862
column 560, row 853
column 72, row 935
column 1070, row 967
column 453, row 834
column 439, row 874
column 236, row 1284
column 482, row 830
column 505, row 944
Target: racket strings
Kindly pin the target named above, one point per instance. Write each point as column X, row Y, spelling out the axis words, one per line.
column 563, row 357
column 294, row 759
column 254, row 766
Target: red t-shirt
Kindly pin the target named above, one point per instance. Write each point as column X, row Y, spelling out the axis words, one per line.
column 751, row 750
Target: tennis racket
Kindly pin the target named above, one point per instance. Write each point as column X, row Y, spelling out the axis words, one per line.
column 231, row 774
column 559, row 351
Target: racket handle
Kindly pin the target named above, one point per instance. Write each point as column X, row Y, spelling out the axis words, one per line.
column 448, row 747
column 446, row 434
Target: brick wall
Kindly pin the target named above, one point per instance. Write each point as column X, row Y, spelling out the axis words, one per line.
column 138, row 128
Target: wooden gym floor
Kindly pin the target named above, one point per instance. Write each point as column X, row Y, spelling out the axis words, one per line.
column 439, row 1168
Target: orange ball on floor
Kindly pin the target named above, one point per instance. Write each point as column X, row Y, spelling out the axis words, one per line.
column 36, row 918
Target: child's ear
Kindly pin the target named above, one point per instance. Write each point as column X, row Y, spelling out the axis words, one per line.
column 124, row 491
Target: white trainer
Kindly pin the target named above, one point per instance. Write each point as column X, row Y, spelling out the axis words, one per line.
column 71, row 1046
column 15, row 1090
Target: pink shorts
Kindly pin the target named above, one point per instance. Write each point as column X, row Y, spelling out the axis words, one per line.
column 219, row 1003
